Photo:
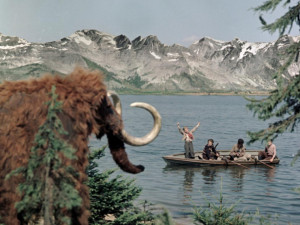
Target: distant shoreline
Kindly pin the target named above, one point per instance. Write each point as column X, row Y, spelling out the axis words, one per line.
column 227, row 93
column 258, row 93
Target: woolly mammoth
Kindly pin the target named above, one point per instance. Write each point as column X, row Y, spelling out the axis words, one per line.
column 86, row 110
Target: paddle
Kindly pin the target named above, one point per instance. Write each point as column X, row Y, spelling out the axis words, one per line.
column 272, row 167
column 226, row 160
column 240, row 164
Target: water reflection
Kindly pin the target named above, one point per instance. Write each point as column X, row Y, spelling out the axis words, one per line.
column 207, row 179
column 188, row 186
column 270, row 174
column 233, row 176
column 209, row 175
column 237, row 174
column 188, row 179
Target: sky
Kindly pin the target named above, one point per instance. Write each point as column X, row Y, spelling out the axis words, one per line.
column 172, row 21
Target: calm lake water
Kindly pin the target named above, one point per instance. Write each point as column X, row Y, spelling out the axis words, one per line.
column 179, row 189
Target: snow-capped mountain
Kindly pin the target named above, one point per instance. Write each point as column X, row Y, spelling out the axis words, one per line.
column 145, row 64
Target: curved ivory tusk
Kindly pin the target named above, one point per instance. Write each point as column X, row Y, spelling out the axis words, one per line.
column 135, row 141
column 152, row 134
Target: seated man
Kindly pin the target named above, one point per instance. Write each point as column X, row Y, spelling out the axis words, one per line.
column 269, row 153
column 238, row 150
column 209, row 151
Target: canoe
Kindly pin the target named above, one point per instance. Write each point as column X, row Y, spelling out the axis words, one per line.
column 179, row 159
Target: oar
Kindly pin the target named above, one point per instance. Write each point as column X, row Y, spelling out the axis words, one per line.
column 240, row 164
column 236, row 164
column 266, row 164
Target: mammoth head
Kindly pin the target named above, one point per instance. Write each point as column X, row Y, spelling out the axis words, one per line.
column 117, row 135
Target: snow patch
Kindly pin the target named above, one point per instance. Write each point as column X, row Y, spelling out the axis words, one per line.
column 197, row 51
column 14, row 46
column 154, row 55
column 173, row 60
column 280, row 45
column 175, row 81
column 187, row 53
column 238, row 82
column 215, row 40
column 225, row 46
column 109, row 40
column 173, row 54
column 251, row 82
column 80, row 39
column 296, row 38
column 51, row 47
column 294, row 69
column 251, row 48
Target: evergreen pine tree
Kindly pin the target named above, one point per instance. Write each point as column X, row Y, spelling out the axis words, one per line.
column 113, row 196
column 48, row 192
column 163, row 219
column 223, row 214
column 283, row 102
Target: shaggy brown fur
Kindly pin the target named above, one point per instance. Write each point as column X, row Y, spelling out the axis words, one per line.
column 86, row 110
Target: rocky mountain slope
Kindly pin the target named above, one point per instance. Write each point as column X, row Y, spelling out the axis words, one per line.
column 147, row 65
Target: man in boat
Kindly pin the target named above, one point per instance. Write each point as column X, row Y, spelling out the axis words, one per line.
column 238, row 150
column 209, row 151
column 269, row 153
column 188, row 138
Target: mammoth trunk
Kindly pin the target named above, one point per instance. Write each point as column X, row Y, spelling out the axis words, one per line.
column 119, row 154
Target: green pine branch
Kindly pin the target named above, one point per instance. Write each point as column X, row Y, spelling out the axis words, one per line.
column 282, row 103
column 113, row 196
column 48, row 189
column 282, row 23
column 269, row 5
column 220, row 213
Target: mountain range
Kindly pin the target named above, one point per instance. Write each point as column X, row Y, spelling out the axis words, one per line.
column 145, row 65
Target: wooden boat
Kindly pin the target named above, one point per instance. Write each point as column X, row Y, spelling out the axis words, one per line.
column 252, row 159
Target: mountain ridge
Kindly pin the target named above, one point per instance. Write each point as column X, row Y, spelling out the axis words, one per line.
column 147, row 65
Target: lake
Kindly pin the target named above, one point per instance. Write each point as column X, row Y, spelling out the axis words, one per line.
column 179, row 189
